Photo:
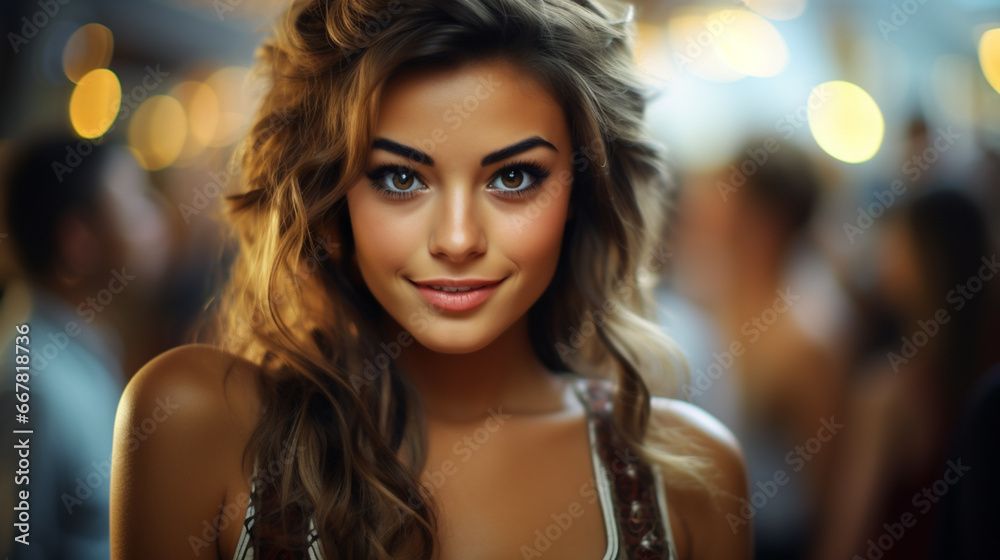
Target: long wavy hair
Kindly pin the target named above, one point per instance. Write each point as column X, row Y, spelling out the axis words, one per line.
column 296, row 303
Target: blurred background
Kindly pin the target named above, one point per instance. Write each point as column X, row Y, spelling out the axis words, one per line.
column 833, row 245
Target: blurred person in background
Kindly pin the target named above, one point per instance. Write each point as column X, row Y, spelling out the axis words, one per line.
column 966, row 526
column 934, row 267
column 86, row 233
column 769, row 375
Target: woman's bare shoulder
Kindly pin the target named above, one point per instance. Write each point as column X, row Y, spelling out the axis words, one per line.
column 701, row 428
column 712, row 517
column 199, row 378
column 180, row 431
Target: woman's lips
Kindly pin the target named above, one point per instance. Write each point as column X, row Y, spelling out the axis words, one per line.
column 456, row 301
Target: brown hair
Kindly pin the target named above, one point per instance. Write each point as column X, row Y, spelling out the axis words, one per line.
column 296, row 303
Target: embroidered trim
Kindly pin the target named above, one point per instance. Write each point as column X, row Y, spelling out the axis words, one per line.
column 640, row 505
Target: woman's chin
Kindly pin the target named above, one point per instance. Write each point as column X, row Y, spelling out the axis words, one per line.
column 454, row 341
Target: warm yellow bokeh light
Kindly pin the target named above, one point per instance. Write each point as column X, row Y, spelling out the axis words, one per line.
column 95, row 103
column 989, row 57
column 157, row 131
column 231, row 86
column 777, row 9
column 694, row 40
column 202, row 108
column 845, row 121
column 750, row 45
column 652, row 52
column 88, row 48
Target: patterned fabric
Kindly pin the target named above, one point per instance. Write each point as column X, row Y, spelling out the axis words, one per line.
column 631, row 492
column 639, row 498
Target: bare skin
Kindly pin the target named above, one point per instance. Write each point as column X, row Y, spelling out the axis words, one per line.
column 473, row 369
column 184, row 482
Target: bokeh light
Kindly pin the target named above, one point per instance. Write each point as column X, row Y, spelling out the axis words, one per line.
column 158, row 131
column 777, row 9
column 231, row 84
column 749, row 44
column 88, row 48
column 95, row 102
column 693, row 39
column 989, row 57
column 845, row 121
column 202, row 108
column 652, row 53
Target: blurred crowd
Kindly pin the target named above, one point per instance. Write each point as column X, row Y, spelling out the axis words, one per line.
column 833, row 284
column 862, row 386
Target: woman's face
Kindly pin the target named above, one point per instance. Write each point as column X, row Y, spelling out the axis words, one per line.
column 468, row 182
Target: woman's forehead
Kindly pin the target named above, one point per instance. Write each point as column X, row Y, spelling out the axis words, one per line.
column 474, row 105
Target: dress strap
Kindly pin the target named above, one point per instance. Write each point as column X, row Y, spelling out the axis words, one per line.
column 639, row 509
column 271, row 540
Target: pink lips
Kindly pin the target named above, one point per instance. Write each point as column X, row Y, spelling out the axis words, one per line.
column 481, row 290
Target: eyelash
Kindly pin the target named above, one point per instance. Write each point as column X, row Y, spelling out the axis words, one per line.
column 535, row 170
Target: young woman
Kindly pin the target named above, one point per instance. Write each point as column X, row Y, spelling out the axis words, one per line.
column 435, row 338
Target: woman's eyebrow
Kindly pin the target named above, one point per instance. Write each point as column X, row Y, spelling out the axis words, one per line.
column 402, row 150
column 499, row 155
column 514, row 149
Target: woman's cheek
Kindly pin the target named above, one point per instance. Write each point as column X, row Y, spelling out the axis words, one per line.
column 383, row 244
column 533, row 235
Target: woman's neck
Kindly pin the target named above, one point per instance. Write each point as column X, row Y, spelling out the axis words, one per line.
column 460, row 388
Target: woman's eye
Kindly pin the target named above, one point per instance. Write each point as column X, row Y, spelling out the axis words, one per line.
column 401, row 179
column 513, row 179
column 393, row 181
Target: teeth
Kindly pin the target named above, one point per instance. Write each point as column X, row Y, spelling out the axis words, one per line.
column 449, row 289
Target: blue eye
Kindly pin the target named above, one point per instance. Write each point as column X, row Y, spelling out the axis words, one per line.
column 395, row 181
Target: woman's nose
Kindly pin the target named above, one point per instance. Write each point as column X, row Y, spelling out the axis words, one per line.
column 457, row 234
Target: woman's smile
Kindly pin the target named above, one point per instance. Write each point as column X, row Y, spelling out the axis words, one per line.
column 469, row 227
column 456, row 295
